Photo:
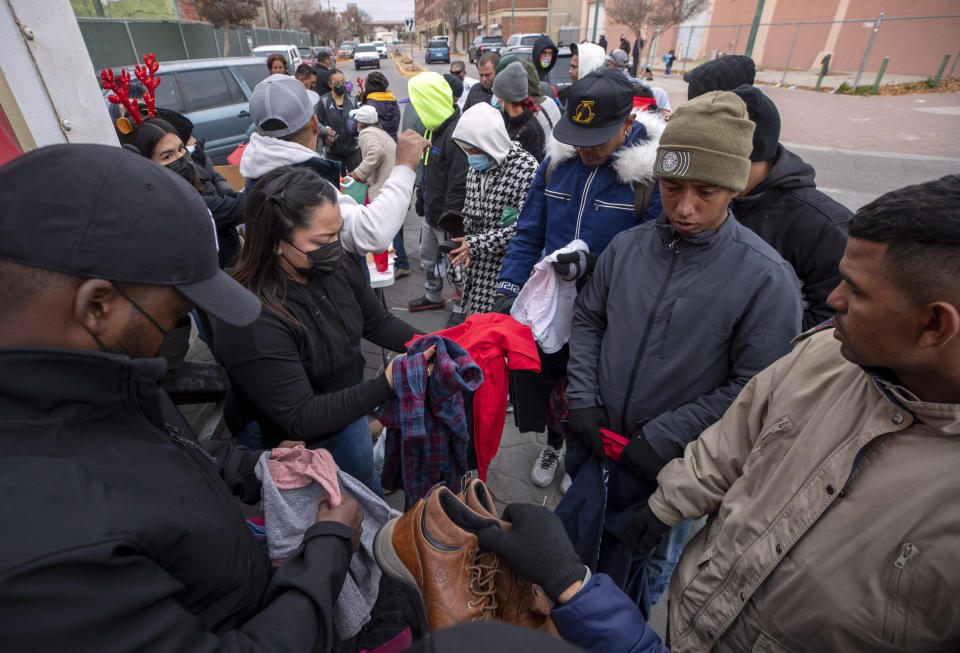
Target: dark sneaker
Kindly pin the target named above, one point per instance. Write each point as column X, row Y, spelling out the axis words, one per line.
column 424, row 304
column 400, row 273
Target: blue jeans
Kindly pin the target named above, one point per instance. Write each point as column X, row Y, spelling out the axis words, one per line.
column 664, row 558
column 401, row 261
column 352, row 450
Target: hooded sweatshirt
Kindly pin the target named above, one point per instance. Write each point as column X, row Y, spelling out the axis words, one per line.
column 544, row 71
column 489, row 194
column 444, row 164
column 388, row 111
column 591, row 57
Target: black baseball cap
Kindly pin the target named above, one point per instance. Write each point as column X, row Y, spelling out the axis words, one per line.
column 597, row 106
column 103, row 212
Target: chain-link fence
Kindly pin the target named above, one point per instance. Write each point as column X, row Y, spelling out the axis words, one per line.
column 861, row 50
column 115, row 43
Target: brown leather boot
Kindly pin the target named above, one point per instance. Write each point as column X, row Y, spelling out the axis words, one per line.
column 433, row 547
column 519, row 601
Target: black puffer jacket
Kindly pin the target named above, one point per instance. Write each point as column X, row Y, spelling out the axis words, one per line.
column 807, row 228
column 225, row 204
column 124, row 535
column 444, row 172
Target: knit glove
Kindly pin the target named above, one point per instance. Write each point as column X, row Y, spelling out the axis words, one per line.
column 641, row 459
column 503, row 303
column 537, row 547
column 645, row 531
column 574, row 265
column 585, row 425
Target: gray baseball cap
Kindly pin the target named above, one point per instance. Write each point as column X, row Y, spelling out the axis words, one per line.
column 283, row 98
column 619, row 58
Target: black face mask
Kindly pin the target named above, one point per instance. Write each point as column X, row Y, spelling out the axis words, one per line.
column 339, row 89
column 183, row 167
column 140, row 310
column 324, row 260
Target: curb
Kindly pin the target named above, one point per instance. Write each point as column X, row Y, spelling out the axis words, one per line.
column 396, row 62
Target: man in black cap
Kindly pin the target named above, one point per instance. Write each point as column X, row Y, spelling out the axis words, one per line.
column 596, row 181
column 782, row 205
column 125, row 535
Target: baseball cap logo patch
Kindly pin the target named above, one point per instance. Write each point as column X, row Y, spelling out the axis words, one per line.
column 674, row 162
column 584, row 113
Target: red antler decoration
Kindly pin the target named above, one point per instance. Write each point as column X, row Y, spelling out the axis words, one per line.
column 147, row 76
column 121, row 92
column 360, row 83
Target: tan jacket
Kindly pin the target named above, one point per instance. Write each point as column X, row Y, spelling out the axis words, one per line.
column 835, row 503
column 379, row 156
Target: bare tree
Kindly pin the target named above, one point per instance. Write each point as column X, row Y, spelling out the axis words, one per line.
column 323, row 24
column 224, row 13
column 357, row 21
column 657, row 15
column 456, row 15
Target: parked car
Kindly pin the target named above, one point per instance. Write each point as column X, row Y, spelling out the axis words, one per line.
column 307, row 56
column 290, row 52
column 523, row 39
column 214, row 94
column 437, row 50
column 317, row 49
column 381, row 49
column 346, row 49
column 366, row 55
column 483, row 44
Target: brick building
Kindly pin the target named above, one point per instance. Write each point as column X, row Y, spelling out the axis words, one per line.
column 504, row 17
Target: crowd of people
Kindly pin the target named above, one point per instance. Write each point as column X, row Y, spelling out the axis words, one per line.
column 716, row 338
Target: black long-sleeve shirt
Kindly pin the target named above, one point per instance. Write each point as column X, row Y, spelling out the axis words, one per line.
column 304, row 381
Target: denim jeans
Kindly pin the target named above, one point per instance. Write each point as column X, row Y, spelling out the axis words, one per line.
column 664, row 558
column 401, row 262
column 352, row 450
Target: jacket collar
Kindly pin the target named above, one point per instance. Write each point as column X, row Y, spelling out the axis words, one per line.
column 703, row 239
column 67, row 385
column 633, row 161
column 943, row 418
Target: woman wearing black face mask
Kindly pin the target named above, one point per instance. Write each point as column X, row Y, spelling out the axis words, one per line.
column 297, row 372
column 160, row 141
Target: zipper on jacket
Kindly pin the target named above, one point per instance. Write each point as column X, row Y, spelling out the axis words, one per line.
column 674, row 248
column 177, row 436
column 611, row 205
column 563, row 197
column 583, row 201
column 908, row 551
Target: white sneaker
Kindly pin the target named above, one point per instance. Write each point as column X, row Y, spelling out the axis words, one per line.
column 565, row 483
column 545, row 467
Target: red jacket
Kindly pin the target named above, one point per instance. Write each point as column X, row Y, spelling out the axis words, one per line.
column 495, row 342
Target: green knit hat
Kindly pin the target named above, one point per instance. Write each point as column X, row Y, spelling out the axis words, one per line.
column 708, row 139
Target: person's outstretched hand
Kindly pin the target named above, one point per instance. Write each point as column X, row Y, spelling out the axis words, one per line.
column 410, row 147
column 585, row 425
column 428, row 355
column 646, row 531
column 574, row 265
column 537, row 547
column 347, row 513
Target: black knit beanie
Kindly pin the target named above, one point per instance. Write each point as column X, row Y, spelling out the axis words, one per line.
column 722, row 74
column 764, row 115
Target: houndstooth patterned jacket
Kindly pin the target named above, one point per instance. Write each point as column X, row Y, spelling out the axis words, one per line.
column 488, row 193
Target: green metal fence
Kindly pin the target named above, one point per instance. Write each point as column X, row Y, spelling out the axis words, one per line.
column 115, row 43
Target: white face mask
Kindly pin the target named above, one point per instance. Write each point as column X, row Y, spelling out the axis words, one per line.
column 191, row 148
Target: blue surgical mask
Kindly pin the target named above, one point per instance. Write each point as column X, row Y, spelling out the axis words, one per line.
column 479, row 162
column 496, row 103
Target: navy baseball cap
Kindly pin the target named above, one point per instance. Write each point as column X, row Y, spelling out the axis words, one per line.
column 104, row 212
column 597, row 106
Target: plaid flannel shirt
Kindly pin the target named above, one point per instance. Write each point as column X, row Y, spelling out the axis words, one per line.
column 427, row 435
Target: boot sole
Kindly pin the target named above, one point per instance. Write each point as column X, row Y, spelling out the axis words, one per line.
column 390, row 562
column 425, row 307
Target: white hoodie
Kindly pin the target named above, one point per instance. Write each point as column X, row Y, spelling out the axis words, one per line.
column 369, row 228
column 590, row 57
column 481, row 126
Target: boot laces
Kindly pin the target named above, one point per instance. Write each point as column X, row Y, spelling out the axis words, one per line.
column 483, row 573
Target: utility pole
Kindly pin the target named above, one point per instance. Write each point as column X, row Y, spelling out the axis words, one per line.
column 596, row 19
column 287, row 12
column 753, row 29
column 513, row 14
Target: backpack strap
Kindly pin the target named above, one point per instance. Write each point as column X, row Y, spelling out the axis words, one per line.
column 642, row 194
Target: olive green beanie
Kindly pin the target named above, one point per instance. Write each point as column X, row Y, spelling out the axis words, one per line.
column 708, row 139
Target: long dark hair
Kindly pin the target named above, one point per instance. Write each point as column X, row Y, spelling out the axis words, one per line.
column 280, row 203
column 148, row 133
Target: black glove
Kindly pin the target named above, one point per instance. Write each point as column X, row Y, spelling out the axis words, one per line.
column 537, row 547
column 641, row 459
column 646, row 531
column 199, row 154
column 503, row 303
column 574, row 265
column 418, row 205
column 585, row 425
